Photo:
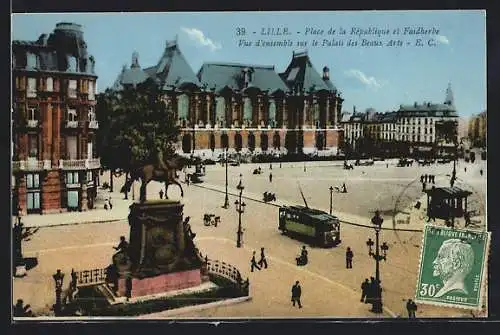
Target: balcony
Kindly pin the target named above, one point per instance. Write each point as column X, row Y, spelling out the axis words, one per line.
column 32, row 124
column 80, row 164
column 94, row 125
column 71, row 124
column 31, row 165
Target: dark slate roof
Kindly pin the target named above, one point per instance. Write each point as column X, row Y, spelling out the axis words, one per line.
column 173, row 69
column 388, row 117
column 218, row 76
column 301, row 74
column 427, row 109
column 133, row 76
column 52, row 51
column 448, row 192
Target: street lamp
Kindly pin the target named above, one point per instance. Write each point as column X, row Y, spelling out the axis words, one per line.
column 58, row 280
column 226, row 199
column 331, row 195
column 240, row 208
column 377, row 298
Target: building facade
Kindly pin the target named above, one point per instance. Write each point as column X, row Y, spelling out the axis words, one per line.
column 245, row 107
column 477, row 129
column 55, row 164
column 425, row 129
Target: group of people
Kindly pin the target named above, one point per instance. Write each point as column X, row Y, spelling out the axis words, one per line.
column 428, row 178
column 262, row 263
column 108, row 204
column 369, row 289
column 303, row 259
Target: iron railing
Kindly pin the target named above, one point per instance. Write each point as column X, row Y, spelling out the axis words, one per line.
column 89, row 277
column 79, row 164
column 93, row 124
column 229, row 272
column 31, row 165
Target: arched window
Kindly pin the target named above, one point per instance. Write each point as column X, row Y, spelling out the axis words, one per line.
column 220, row 108
column 182, row 106
column 212, row 141
column 251, row 142
column 272, row 112
column 238, row 142
column 247, row 110
column 316, row 113
column 264, row 142
column 186, row 143
column 72, row 64
column 224, row 139
column 276, row 140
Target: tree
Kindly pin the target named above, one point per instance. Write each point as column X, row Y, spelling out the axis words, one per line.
column 134, row 124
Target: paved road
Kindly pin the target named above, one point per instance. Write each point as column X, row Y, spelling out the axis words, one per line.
column 89, row 246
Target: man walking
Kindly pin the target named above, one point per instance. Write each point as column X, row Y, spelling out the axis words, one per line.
column 270, row 177
column 253, row 263
column 161, row 194
column 411, row 307
column 262, row 261
column 296, row 293
column 364, row 289
column 348, row 258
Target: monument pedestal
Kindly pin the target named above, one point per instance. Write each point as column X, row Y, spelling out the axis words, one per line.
column 161, row 256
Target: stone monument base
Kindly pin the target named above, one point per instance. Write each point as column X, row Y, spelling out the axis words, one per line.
column 161, row 283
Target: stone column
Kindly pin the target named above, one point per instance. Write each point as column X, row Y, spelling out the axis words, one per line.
column 209, row 107
column 327, row 113
column 260, row 111
column 304, row 112
column 196, row 109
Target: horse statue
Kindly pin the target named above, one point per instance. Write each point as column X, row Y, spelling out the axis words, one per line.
column 156, row 172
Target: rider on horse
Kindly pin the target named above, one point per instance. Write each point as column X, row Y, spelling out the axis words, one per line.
column 159, row 158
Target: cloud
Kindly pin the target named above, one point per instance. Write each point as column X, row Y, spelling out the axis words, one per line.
column 442, row 39
column 370, row 82
column 200, row 38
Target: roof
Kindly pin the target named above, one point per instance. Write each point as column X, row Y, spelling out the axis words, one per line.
column 388, row 117
column 173, row 69
column 427, row 109
column 218, row 76
column 133, row 76
column 314, row 213
column 448, row 192
column 302, row 75
column 55, row 52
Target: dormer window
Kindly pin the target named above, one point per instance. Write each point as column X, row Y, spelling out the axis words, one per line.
column 31, row 60
column 72, row 64
column 91, row 92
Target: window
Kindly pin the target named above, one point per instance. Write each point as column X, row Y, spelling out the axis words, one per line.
column 49, row 84
column 31, row 88
column 90, row 149
column 72, row 64
column 33, row 192
column 33, row 146
column 72, row 88
column 220, row 108
column 183, row 106
column 430, row 130
column 32, row 114
column 72, row 116
column 31, row 60
column 91, row 114
column 73, row 199
column 91, row 91
column 425, row 120
column 71, row 147
column 72, row 178
column 247, row 109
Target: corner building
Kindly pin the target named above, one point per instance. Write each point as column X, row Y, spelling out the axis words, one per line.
column 245, row 107
column 55, row 166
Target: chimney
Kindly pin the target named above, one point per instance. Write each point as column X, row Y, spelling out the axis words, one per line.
column 415, row 104
column 135, row 59
column 326, row 73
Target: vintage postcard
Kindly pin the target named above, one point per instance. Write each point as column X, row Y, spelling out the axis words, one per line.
column 452, row 267
column 249, row 165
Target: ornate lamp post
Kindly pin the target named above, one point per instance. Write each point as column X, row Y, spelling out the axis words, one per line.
column 58, row 280
column 226, row 199
column 331, row 196
column 377, row 298
column 240, row 208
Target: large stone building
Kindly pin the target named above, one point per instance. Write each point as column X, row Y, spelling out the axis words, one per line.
column 418, row 129
column 54, row 124
column 477, row 129
column 245, row 107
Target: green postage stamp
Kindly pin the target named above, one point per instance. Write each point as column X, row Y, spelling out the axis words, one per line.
column 452, row 267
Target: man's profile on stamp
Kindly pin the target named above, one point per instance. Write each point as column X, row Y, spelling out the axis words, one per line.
column 452, row 264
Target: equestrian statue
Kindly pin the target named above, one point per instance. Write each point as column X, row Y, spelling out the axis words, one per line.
column 162, row 170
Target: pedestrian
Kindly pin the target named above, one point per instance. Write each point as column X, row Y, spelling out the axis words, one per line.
column 270, row 166
column 262, row 261
column 411, row 307
column 387, row 165
column 253, row 263
column 344, row 188
column 425, row 178
column 188, row 179
column 128, row 287
column 424, row 184
column 161, row 194
column 364, row 289
column 270, row 177
column 280, row 165
column 296, row 293
column 465, row 168
column 110, row 203
column 303, row 258
column 106, row 204
column 370, row 293
column 421, row 179
column 481, row 172
column 348, row 258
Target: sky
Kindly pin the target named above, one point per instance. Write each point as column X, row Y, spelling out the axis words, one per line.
column 379, row 77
